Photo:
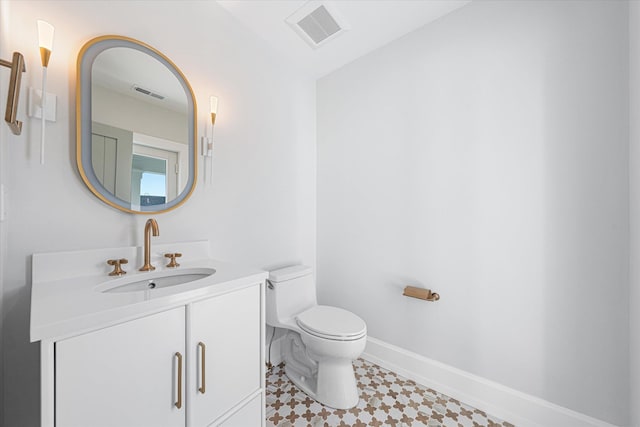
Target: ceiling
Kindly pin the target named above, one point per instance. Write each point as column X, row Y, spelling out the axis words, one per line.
column 371, row 23
column 119, row 69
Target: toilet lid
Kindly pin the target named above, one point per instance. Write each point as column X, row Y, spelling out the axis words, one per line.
column 332, row 323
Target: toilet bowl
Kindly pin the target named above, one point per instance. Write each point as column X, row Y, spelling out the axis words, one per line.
column 321, row 342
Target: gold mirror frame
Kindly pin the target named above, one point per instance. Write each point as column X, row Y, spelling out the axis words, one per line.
column 86, row 58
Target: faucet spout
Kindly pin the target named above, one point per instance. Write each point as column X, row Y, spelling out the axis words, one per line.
column 150, row 227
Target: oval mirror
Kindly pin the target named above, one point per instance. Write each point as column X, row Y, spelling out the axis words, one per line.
column 136, row 126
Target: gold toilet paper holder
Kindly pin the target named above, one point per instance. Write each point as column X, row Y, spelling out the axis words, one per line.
column 420, row 293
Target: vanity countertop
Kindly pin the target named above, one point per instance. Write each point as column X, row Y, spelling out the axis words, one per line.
column 66, row 297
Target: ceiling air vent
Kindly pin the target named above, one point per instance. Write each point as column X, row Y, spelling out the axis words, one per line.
column 147, row 92
column 317, row 23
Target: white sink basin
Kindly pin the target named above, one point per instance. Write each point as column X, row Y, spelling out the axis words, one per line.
column 160, row 279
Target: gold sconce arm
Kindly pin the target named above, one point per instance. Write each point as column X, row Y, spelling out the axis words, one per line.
column 17, row 68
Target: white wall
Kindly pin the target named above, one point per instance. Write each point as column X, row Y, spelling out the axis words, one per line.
column 485, row 156
column 4, row 131
column 634, row 199
column 260, row 209
column 127, row 112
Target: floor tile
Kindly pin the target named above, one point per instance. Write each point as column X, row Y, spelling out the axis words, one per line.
column 386, row 399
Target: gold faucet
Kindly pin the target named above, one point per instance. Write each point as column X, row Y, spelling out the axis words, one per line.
column 150, row 226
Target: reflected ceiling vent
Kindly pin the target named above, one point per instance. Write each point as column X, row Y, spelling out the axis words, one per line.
column 147, row 92
column 317, row 23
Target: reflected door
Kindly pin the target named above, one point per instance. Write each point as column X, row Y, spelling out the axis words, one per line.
column 104, row 149
column 111, row 159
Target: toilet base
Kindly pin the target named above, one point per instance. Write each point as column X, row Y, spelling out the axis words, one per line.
column 307, row 384
column 334, row 394
column 331, row 381
column 337, row 387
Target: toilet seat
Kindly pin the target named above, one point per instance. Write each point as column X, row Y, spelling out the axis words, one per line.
column 331, row 323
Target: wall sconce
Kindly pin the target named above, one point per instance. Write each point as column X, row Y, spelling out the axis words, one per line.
column 207, row 142
column 17, row 68
column 45, row 40
column 213, row 103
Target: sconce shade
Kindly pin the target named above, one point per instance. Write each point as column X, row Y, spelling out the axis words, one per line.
column 45, row 41
column 214, row 108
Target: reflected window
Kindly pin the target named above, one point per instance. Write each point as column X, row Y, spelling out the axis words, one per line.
column 149, row 183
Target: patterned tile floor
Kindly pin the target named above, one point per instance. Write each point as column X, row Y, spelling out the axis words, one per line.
column 386, row 399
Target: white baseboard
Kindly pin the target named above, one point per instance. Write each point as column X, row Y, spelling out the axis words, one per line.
column 497, row 400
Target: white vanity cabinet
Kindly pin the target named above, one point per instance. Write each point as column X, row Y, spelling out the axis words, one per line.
column 186, row 354
column 226, row 330
column 246, row 415
column 124, row 375
column 195, row 365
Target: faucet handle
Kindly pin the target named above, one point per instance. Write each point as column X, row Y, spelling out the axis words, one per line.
column 173, row 257
column 117, row 270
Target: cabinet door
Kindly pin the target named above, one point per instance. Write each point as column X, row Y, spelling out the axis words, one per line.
column 250, row 415
column 229, row 326
column 124, row 375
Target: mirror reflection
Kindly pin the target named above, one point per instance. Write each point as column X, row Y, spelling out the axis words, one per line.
column 138, row 132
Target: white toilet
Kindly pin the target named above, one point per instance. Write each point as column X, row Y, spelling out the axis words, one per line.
column 321, row 342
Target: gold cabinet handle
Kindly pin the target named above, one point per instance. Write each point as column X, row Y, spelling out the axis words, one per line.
column 179, row 402
column 203, row 357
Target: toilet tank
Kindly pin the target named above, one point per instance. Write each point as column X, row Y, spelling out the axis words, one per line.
column 290, row 291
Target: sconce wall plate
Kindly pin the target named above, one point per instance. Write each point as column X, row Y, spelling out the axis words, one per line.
column 34, row 104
